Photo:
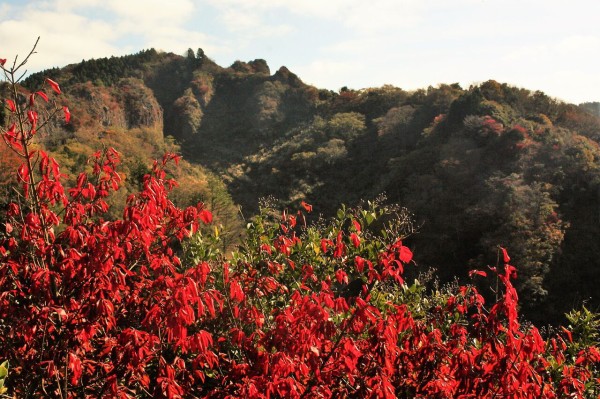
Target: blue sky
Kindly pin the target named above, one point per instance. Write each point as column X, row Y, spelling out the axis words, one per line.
column 547, row 45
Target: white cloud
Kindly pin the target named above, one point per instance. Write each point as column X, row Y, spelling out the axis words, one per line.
column 581, row 87
column 178, row 40
column 357, row 15
column 382, row 15
column 336, row 73
column 548, row 45
column 565, row 68
column 74, row 30
column 4, row 10
column 72, row 5
column 251, row 25
column 579, row 46
column 142, row 16
column 61, row 39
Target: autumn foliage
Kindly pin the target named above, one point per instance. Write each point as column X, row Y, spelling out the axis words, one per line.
column 146, row 307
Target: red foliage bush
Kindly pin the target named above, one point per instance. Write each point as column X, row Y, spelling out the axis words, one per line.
column 96, row 308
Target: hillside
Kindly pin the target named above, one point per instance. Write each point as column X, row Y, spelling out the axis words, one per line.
column 479, row 167
column 125, row 115
column 491, row 165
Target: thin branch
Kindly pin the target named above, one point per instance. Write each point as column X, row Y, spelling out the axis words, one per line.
column 31, row 52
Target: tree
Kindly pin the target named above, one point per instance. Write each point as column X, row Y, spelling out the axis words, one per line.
column 190, row 55
column 346, row 126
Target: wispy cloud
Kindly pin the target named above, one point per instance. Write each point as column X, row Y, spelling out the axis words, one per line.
column 337, row 73
column 357, row 15
column 83, row 29
column 63, row 41
column 549, row 45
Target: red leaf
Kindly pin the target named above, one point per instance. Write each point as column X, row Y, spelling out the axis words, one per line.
column 505, row 255
column 67, row 114
column 74, row 368
column 341, row 276
column 2, row 61
column 42, row 94
column 356, row 225
column 13, row 209
column 339, row 247
column 206, row 216
column 235, row 291
column 325, row 243
column 510, row 271
column 33, row 117
column 568, row 333
column 306, row 206
column 54, row 85
column 477, row 272
column 360, row 263
column 406, row 254
column 210, row 304
column 355, row 240
column 11, row 105
column 266, row 248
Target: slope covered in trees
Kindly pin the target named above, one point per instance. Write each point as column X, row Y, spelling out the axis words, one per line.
column 491, row 165
column 479, row 167
column 116, row 109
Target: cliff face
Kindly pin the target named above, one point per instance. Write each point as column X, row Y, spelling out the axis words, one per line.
column 128, row 105
column 236, row 109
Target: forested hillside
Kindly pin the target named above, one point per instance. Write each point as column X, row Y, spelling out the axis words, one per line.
column 123, row 277
column 117, row 109
column 480, row 167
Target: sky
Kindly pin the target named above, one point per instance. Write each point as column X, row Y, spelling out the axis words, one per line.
column 547, row 45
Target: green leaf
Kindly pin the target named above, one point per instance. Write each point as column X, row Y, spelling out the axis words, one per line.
column 4, row 369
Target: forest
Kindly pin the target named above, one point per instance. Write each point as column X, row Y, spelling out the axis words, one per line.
column 290, row 241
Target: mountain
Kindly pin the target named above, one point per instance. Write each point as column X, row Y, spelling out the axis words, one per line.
column 480, row 168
